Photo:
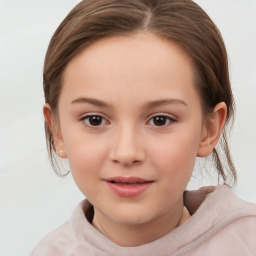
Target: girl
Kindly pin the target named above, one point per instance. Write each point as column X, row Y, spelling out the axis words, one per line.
column 135, row 91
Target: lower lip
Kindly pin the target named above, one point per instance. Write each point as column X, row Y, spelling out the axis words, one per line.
column 129, row 190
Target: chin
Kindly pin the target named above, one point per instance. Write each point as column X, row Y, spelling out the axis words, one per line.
column 133, row 217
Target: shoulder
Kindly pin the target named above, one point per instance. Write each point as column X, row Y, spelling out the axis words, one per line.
column 228, row 224
column 226, row 208
column 54, row 243
column 67, row 238
column 233, row 235
column 237, row 223
column 221, row 199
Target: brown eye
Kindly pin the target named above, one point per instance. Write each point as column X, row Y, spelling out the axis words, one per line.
column 94, row 120
column 160, row 120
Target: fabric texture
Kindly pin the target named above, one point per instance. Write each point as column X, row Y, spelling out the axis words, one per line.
column 221, row 224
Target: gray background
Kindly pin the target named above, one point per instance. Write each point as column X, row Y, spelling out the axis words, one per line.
column 33, row 200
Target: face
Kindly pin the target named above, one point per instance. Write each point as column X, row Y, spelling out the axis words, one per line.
column 131, row 126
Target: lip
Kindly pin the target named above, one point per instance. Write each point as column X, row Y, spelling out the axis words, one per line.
column 128, row 186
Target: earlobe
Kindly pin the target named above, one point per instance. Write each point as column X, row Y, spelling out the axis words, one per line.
column 56, row 133
column 213, row 126
column 61, row 153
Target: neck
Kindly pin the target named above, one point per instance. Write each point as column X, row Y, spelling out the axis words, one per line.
column 131, row 235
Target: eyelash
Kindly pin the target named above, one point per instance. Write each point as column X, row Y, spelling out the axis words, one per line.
column 156, row 118
column 86, row 120
column 161, row 118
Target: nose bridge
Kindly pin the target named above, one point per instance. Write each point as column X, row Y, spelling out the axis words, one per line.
column 126, row 145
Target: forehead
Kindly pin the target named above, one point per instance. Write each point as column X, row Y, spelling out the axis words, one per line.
column 140, row 63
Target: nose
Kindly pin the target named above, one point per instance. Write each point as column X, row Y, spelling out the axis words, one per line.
column 127, row 146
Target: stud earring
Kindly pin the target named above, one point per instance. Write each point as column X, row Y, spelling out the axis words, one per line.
column 61, row 153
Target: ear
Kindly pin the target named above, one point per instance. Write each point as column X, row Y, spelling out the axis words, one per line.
column 55, row 130
column 212, row 130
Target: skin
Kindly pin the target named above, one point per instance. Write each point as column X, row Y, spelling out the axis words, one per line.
column 126, row 80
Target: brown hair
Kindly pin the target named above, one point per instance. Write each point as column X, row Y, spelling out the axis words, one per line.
column 181, row 21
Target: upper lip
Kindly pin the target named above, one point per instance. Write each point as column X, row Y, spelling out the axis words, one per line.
column 121, row 179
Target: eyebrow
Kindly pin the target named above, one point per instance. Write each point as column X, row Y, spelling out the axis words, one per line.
column 95, row 102
column 150, row 104
column 164, row 102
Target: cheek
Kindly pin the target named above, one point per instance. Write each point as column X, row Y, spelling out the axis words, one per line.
column 85, row 158
column 175, row 157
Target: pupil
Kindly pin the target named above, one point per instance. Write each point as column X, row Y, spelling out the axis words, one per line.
column 95, row 120
column 159, row 120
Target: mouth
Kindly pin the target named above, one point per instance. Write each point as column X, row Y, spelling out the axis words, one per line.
column 128, row 180
column 128, row 186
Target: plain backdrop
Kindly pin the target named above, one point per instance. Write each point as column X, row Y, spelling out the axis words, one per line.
column 33, row 201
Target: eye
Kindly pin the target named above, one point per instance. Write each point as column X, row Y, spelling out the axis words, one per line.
column 94, row 120
column 161, row 120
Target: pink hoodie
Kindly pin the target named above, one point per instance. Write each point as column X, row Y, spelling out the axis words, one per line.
column 221, row 225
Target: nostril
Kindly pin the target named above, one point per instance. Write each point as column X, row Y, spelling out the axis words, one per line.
column 132, row 163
